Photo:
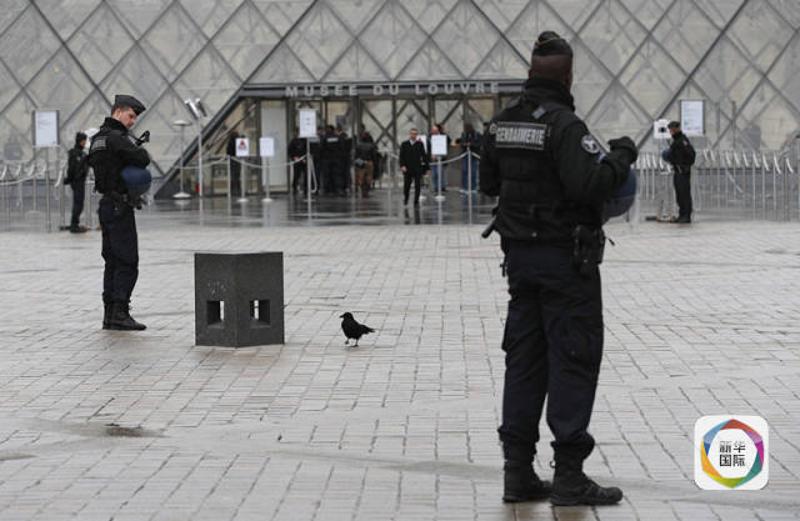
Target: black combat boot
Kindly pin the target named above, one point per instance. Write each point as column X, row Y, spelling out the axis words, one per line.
column 520, row 483
column 572, row 487
column 121, row 320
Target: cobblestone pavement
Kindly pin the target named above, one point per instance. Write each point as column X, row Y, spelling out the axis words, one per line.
column 699, row 320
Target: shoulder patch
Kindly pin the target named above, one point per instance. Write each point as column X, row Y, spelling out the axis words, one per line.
column 589, row 144
column 98, row 144
column 520, row 134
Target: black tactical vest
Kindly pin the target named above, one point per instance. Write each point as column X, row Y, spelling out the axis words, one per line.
column 532, row 205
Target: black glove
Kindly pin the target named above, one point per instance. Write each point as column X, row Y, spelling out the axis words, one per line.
column 626, row 145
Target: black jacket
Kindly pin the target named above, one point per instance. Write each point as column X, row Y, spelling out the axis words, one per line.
column 366, row 150
column 297, row 147
column 77, row 166
column 681, row 153
column 548, row 170
column 414, row 157
column 112, row 149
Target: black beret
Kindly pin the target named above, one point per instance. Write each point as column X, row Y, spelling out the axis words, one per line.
column 550, row 43
column 674, row 124
column 124, row 100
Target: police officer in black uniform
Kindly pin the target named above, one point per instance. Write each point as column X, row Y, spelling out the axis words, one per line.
column 681, row 156
column 113, row 148
column 77, row 170
column 552, row 178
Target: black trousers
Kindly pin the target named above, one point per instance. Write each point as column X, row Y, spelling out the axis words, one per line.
column 78, row 196
column 683, row 193
column 299, row 180
column 236, row 177
column 554, row 344
column 408, row 177
column 328, row 173
column 120, row 250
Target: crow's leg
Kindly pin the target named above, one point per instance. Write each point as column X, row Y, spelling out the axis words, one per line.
column 347, row 342
column 356, row 343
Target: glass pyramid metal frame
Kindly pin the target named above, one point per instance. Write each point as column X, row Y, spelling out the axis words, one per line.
column 636, row 59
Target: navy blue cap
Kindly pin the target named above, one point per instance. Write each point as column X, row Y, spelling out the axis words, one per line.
column 124, row 100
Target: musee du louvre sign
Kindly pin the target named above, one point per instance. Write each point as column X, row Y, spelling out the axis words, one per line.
column 345, row 90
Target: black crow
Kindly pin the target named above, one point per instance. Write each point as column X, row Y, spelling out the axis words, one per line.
column 353, row 329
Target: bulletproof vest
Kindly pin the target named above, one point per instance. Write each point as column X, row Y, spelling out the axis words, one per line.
column 532, row 203
column 106, row 165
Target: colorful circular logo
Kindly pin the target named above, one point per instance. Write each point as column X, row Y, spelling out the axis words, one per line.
column 711, row 470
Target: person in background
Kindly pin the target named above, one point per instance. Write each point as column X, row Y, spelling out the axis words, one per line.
column 77, row 170
column 236, row 167
column 366, row 157
column 437, row 172
column 470, row 142
column 413, row 163
column 681, row 156
column 296, row 150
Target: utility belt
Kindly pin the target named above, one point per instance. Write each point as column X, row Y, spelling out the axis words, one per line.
column 121, row 201
column 116, row 198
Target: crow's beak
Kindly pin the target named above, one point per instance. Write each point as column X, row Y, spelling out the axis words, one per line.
column 341, row 316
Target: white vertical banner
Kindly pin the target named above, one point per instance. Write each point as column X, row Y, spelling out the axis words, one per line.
column 266, row 147
column 45, row 128
column 692, row 117
column 439, row 145
column 307, row 123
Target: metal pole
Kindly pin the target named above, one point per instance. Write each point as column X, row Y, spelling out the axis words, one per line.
column 309, row 164
column 764, row 184
column 774, row 187
column 439, row 197
column 469, row 169
column 35, row 186
column 290, row 181
column 230, row 185
column 242, row 183
column 62, row 192
column 200, row 156
column 753, row 183
column 181, row 167
column 47, row 195
column 265, row 178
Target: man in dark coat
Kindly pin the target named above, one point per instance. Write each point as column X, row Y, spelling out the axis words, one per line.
column 413, row 164
column 113, row 148
column 77, row 169
column 236, row 167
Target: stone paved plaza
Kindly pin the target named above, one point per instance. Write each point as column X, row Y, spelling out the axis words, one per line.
column 699, row 320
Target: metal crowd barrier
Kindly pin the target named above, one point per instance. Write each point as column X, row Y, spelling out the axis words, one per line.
column 738, row 184
column 31, row 193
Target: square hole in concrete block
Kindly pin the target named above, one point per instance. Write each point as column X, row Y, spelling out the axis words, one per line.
column 215, row 312
column 259, row 311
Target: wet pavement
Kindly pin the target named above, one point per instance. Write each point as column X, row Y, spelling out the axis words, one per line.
column 101, row 425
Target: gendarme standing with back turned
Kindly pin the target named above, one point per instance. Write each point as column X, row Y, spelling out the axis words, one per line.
column 114, row 151
column 552, row 178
